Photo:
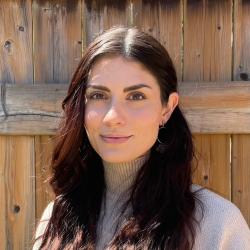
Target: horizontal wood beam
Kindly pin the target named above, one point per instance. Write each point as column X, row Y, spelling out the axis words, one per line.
column 210, row 107
column 216, row 107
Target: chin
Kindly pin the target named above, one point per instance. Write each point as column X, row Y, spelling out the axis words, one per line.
column 115, row 158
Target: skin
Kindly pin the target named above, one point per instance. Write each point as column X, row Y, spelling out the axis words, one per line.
column 123, row 125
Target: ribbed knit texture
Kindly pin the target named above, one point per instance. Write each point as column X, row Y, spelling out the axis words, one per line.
column 222, row 227
column 119, row 178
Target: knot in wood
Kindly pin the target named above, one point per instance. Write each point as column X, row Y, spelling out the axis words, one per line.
column 244, row 76
column 7, row 45
column 205, row 177
column 20, row 28
column 16, row 209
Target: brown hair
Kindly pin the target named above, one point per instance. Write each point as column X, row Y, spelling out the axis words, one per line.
column 161, row 200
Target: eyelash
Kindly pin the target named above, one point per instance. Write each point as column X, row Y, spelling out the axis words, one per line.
column 92, row 96
column 138, row 94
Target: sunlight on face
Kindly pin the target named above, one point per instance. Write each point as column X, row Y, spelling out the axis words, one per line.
column 123, row 109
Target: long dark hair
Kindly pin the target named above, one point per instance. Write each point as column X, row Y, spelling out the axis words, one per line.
column 161, row 199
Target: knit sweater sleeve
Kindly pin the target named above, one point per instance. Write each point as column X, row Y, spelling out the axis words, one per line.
column 223, row 227
column 42, row 225
column 236, row 234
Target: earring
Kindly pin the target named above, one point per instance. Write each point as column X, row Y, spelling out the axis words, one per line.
column 162, row 134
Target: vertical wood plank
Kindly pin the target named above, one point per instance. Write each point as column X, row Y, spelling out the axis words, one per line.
column 208, row 57
column 16, row 42
column 18, row 188
column 17, row 182
column 57, row 39
column 3, row 196
column 207, row 40
column 212, row 150
column 102, row 15
column 43, row 150
column 163, row 20
column 241, row 173
column 241, row 40
column 241, row 143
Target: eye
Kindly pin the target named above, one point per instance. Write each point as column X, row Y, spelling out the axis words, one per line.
column 97, row 96
column 136, row 97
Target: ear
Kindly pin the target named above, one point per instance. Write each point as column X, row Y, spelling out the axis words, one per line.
column 169, row 107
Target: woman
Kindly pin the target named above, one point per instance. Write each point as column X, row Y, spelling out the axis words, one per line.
column 121, row 168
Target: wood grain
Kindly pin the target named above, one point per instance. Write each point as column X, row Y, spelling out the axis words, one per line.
column 162, row 20
column 241, row 173
column 213, row 155
column 57, row 39
column 207, row 40
column 212, row 108
column 17, row 185
column 43, row 150
column 102, row 15
column 241, row 47
column 31, row 110
column 4, row 196
column 208, row 57
column 241, row 142
column 16, row 64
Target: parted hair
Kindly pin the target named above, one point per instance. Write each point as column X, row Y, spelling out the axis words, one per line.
column 162, row 203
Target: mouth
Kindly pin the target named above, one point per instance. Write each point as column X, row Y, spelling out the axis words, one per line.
column 115, row 138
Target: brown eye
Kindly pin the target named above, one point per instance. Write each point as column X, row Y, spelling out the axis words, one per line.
column 97, row 96
column 136, row 97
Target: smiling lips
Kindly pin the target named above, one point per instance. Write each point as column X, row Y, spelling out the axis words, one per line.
column 115, row 138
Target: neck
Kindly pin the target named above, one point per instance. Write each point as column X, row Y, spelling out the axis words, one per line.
column 120, row 176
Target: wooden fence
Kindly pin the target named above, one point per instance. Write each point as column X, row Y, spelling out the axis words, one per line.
column 43, row 41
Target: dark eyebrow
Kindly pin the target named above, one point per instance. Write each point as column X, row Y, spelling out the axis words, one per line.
column 137, row 86
column 127, row 89
column 98, row 87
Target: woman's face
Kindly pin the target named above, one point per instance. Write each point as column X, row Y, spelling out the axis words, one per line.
column 123, row 109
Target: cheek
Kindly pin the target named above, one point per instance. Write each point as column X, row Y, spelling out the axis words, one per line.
column 92, row 118
column 92, row 123
column 150, row 116
column 147, row 123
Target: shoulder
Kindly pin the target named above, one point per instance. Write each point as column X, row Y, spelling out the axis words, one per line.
column 215, row 207
column 222, row 223
column 47, row 211
column 43, row 224
column 213, row 202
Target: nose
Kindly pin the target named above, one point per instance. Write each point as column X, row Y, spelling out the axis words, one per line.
column 114, row 115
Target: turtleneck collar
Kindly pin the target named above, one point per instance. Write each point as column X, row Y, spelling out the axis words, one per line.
column 120, row 176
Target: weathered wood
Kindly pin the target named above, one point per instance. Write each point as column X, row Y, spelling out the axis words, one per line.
column 208, row 57
column 211, row 165
column 207, row 40
column 216, row 107
column 17, row 178
column 43, row 150
column 57, row 39
column 4, row 196
column 38, row 99
column 163, row 20
column 17, row 188
column 102, row 15
column 16, row 42
column 241, row 143
column 209, row 107
column 241, row 173
column 29, row 125
column 241, row 40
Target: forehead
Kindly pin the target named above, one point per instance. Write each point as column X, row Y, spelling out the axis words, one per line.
column 112, row 69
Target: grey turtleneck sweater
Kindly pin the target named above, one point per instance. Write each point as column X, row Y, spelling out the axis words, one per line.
column 119, row 177
column 222, row 227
